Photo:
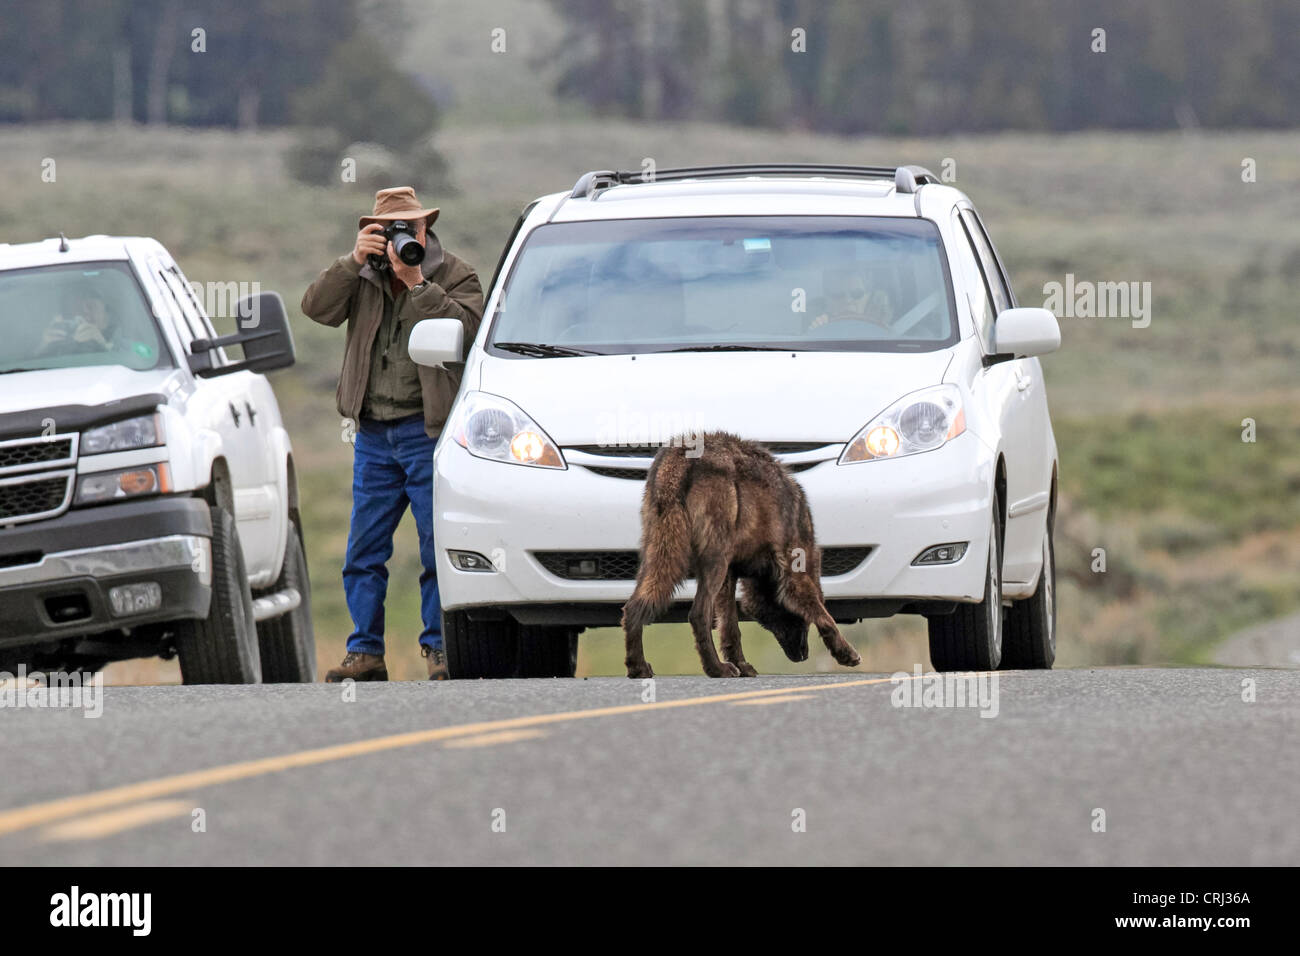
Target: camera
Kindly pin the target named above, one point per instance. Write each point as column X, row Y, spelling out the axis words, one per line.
column 402, row 235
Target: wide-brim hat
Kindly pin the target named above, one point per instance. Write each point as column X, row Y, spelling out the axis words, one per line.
column 398, row 202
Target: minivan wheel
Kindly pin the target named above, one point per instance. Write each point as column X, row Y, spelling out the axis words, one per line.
column 548, row 651
column 479, row 649
column 222, row 649
column 288, row 642
column 970, row 638
column 1029, row 639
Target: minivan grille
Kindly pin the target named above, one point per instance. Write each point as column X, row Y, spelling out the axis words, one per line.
column 649, row 451
column 622, row 565
column 638, row 474
column 631, row 474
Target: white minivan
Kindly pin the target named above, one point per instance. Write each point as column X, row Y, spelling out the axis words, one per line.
column 856, row 320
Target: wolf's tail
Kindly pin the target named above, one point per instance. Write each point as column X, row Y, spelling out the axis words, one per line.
column 665, row 539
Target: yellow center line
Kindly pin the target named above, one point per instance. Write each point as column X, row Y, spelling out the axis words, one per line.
column 500, row 737
column 37, row 814
column 769, row 700
column 115, row 821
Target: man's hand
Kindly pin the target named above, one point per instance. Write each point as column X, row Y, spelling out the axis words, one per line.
column 57, row 332
column 88, row 333
column 409, row 276
column 370, row 242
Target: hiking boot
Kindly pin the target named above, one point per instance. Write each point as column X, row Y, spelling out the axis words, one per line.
column 436, row 660
column 358, row 667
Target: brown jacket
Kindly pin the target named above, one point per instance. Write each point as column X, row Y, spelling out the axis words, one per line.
column 355, row 294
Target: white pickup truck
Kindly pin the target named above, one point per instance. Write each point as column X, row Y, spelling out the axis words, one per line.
column 148, row 502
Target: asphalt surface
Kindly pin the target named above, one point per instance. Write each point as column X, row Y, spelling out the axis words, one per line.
column 1185, row 770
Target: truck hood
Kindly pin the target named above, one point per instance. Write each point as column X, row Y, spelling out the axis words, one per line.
column 768, row 396
column 87, row 385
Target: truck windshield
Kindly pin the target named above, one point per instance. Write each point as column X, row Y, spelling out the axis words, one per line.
column 79, row 314
column 727, row 283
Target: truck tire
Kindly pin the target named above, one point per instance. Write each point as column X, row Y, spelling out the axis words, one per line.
column 223, row 648
column 1029, row 639
column 970, row 638
column 548, row 651
column 288, row 642
column 479, row 649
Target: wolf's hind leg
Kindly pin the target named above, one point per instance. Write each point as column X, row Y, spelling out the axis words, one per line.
column 712, row 573
column 729, row 627
column 640, row 610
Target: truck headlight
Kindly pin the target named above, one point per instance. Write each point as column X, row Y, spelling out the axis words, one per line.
column 146, row 431
column 489, row 426
column 921, row 421
column 97, row 486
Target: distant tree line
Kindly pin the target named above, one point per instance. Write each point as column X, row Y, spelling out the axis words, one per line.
column 934, row 66
column 239, row 63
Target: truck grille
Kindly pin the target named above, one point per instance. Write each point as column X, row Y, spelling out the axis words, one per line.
column 30, row 498
column 28, row 454
column 622, row 565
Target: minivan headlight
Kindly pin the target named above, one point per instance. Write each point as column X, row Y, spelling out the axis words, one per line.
column 142, row 432
column 921, row 421
column 489, row 426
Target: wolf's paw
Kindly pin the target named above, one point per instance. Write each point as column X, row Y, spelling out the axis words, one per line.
column 727, row 669
column 642, row 669
column 848, row 656
column 747, row 669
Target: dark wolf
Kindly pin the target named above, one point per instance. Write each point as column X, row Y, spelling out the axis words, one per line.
column 733, row 513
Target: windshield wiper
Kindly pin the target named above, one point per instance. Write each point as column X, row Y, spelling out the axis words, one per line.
column 6, row 371
column 731, row 348
column 541, row 350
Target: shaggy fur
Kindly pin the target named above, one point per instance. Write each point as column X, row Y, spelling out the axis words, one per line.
column 731, row 514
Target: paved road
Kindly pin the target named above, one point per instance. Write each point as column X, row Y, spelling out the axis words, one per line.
column 1270, row 644
column 585, row 772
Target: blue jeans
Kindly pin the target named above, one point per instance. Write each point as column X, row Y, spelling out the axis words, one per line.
column 392, row 466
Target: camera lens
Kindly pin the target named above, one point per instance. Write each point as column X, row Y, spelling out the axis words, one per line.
column 408, row 248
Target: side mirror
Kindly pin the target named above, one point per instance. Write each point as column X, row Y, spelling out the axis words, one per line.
column 1021, row 333
column 437, row 342
column 264, row 335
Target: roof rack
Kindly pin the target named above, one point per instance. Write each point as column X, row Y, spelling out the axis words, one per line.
column 907, row 179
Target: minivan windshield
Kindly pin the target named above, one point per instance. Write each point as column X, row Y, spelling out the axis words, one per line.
column 867, row 284
column 76, row 314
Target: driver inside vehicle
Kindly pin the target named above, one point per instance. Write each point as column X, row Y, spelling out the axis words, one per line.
column 85, row 324
column 849, row 296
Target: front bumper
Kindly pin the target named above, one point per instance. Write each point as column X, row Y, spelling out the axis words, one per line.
column 55, row 576
column 899, row 508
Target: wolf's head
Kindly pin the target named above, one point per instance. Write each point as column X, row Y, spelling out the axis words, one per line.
column 792, row 635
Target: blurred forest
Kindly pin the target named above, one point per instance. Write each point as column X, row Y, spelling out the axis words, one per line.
column 937, row 66
column 841, row 66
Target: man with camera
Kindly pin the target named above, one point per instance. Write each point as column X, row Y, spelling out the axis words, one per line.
column 396, row 274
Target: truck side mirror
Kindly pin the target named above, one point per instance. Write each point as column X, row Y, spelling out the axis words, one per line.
column 264, row 335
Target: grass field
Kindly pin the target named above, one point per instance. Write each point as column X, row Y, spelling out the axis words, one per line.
column 1201, row 530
